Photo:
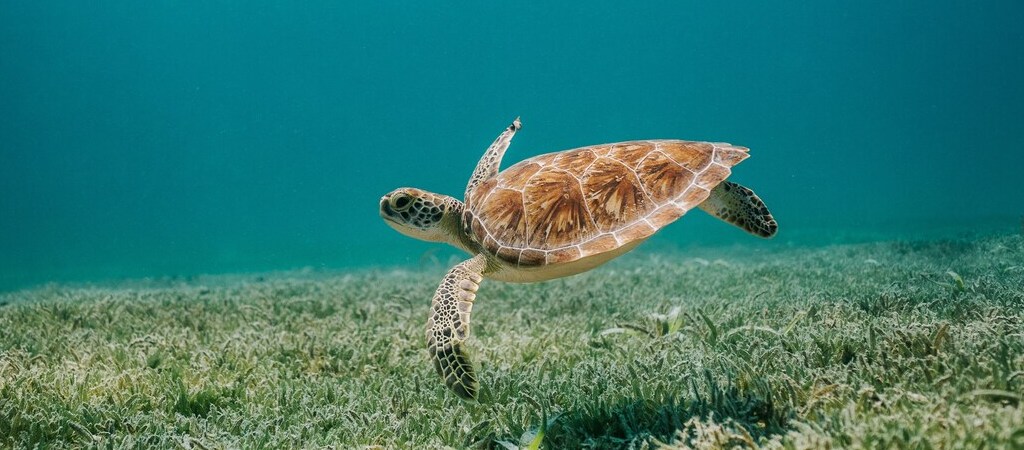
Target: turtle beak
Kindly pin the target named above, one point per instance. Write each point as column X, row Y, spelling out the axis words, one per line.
column 385, row 208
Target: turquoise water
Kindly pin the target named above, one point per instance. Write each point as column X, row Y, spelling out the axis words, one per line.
column 153, row 139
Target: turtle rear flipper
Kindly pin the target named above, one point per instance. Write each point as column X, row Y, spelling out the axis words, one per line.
column 448, row 326
column 740, row 206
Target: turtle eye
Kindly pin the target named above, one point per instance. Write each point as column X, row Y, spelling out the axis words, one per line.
column 401, row 202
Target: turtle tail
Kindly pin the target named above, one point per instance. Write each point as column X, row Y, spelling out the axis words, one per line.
column 741, row 207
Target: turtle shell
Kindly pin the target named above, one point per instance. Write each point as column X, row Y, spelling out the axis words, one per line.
column 560, row 207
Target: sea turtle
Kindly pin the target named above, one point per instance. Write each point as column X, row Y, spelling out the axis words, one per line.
column 560, row 214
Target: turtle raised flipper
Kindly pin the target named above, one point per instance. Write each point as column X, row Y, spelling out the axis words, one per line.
column 448, row 325
column 740, row 206
column 491, row 161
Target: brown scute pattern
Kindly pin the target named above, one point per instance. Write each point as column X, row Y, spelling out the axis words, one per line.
column 508, row 253
column 517, row 175
column 559, row 216
column 730, row 156
column 614, row 194
column 476, row 226
column 448, row 326
column 666, row 213
column 532, row 257
column 662, row 177
column 711, row 176
column 481, row 192
column 630, row 153
column 574, row 162
column 599, row 244
column 641, row 229
column 505, row 216
column 694, row 156
column 563, row 255
column 491, row 244
column 695, row 195
column 590, row 200
column 470, row 223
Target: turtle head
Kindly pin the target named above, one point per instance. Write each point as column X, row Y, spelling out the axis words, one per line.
column 422, row 215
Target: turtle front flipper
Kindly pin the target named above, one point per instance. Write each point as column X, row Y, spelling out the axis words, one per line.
column 448, row 325
column 491, row 161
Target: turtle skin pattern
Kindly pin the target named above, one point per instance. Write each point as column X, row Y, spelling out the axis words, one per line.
column 448, row 326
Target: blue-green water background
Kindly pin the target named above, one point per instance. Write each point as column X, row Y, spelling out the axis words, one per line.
column 159, row 138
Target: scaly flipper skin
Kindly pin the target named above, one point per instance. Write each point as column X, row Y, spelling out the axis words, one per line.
column 740, row 206
column 448, row 325
column 491, row 161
